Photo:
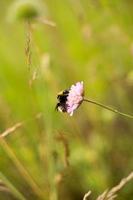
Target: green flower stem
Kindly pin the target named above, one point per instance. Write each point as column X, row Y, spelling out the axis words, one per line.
column 108, row 108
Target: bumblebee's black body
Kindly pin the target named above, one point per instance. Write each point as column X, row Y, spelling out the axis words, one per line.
column 62, row 98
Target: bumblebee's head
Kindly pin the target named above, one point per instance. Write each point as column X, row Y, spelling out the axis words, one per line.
column 62, row 96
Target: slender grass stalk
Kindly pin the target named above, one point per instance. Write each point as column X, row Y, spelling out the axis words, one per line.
column 49, row 141
column 108, row 108
column 86, row 195
column 51, row 165
column 28, row 45
column 11, row 187
column 112, row 193
column 21, row 169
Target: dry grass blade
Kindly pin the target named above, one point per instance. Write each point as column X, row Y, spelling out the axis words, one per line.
column 87, row 195
column 11, row 129
column 28, row 45
column 21, row 168
column 33, row 78
column 64, row 141
column 3, row 187
column 9, row 187
column 103, row 195
column 18, row 125
column 113, row 197
column 123, row 182
column 111, row 194
column 46, row 21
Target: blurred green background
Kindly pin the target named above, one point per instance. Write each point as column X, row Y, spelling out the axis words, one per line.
column 54, row 156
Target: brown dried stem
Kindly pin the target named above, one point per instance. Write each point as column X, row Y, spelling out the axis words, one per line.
column 64, row 141
column 112, row 193
column 28, row 45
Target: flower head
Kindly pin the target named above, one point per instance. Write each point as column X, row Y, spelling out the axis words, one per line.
column 25, row 10
column 75, row 97
column 70, row 100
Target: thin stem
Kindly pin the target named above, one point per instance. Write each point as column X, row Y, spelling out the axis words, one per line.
column 28, row 45
column 108, row 108
column 21, row 169
column 12, row 188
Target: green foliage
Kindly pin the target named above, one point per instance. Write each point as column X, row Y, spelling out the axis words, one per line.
column 53, row 156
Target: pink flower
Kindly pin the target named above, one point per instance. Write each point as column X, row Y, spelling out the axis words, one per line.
column 69, row 100
column 75, row 97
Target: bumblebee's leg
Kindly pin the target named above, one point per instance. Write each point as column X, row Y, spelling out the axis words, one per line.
column 57, row 106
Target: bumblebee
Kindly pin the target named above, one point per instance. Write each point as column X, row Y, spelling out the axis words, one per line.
column 62, row 98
